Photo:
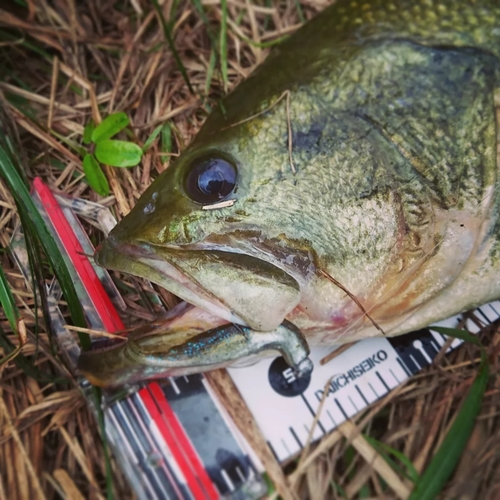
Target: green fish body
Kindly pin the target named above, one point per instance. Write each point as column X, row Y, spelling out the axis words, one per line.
column 363, row 154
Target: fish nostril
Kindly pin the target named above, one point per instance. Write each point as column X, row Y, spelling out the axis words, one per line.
column 112, row 241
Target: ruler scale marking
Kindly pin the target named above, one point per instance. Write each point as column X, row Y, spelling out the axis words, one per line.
column 191, row 457
column 173, row 472
column 383, row 381
column 211, row 436
column 153, row 458
column 344, row 414
column 154, row 402
column 294, row 434
column 146, row 480
column 140, row 452
column 167, row 477
column 313, row 413
column 395, row 377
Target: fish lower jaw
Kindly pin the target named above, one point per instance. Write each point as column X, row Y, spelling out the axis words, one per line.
column 168, row 277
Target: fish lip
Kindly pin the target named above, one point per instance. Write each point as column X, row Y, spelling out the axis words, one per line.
column 235, row 247
column 120, row 247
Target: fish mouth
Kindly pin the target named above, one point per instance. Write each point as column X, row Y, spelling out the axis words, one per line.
column 193, row 339
column 142, row 261
column 234, row 286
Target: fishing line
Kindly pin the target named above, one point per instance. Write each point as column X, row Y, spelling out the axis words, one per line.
column 352, row 296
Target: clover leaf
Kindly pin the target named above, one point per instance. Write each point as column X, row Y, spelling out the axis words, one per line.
column 107, row 151
column 118, row 153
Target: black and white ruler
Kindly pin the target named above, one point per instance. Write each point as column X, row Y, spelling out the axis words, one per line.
column 285, row 407
column 173, row 438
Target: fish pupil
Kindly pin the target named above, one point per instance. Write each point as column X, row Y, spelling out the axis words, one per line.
column 210, row 180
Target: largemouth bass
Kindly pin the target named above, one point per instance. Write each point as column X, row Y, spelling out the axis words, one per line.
column 348, row 188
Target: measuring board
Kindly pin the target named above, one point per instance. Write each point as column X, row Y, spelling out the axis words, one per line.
column 174, row 439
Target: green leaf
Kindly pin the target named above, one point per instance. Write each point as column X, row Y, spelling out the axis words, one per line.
column 88, row 131
column 445, row 460
column 95, row 176
column 109, row 127
column 152, row 138
column 118, row 153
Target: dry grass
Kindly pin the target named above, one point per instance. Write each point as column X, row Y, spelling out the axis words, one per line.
column 65, row 62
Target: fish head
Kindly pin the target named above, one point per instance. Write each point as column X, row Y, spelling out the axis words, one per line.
column 209, row 230
column 240, row 227
column 203, row 232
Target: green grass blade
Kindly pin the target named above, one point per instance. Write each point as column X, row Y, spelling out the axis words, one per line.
column 210, row 70
column 166, row 138
column 213, row 44
column 386, row 451
column 32, row 220
column 201, row 11
column 171, row 44
column 151, row 138
column 338, row 489
column 459, row 334
column 268, row 17
column 174, row 8
column 445, row 460
column 7, row 301
column 300, row 12
column 11, row 313
column 223, row 44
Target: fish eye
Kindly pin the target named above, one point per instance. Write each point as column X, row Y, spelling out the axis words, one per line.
column 210, row 180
